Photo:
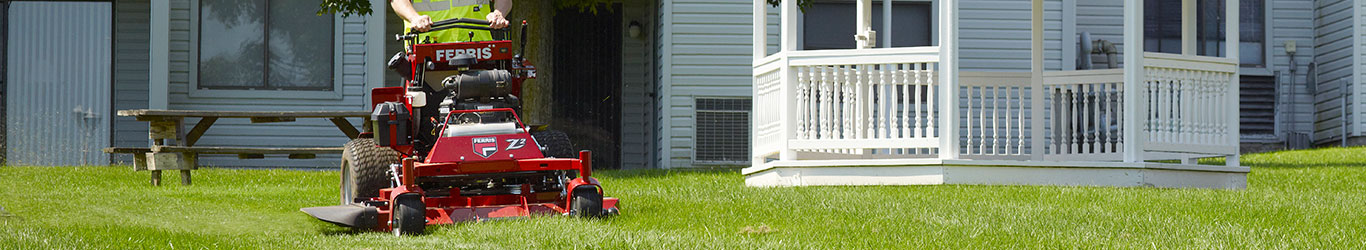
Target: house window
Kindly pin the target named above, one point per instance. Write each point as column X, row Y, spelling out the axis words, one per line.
column 1162, row 29
column 264, row 44
column 830, row 25
column 722, row 130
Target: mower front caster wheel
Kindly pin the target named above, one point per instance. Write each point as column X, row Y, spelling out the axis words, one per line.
column 587, row 201
column 409, row 215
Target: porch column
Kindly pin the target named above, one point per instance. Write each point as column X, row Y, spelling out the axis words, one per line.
column 1231, row 39
column 760, row 30
column 864, row 36
column 1188, row 27
column 1036, row 80
column 789, row 43
column 948, row 79
column 1135, row 102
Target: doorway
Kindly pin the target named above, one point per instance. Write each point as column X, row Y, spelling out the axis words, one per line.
column 587, row 82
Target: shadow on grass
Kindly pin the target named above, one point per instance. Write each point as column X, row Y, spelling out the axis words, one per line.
column 661, row 173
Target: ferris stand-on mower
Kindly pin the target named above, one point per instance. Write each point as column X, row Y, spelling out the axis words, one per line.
column 455, row 150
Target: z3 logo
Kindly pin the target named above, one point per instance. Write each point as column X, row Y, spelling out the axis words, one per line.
column 516, row 143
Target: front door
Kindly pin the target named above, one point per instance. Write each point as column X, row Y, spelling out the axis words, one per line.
column 57, row 83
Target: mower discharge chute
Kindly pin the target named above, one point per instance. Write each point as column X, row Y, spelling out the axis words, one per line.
column 454, row 149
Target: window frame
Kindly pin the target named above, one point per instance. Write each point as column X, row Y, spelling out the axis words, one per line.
column 195, row 91
column 1268, row 45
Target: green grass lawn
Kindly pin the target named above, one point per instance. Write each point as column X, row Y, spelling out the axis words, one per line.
column 1300, row 199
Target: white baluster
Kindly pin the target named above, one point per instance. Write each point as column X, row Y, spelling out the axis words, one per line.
column 932, row 83
column 915, row 81
column 1020, row 134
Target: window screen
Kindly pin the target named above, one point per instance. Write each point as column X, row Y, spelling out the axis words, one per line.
column 722, row 130
column 264, row 44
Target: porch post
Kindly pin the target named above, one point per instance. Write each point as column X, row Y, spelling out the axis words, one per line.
column 948, row 79
column 788, row 40
column 760, row 30
column 1188, row 28
column 1036, row 81
column 788, row 25
column 864, row 35
column 1135, row 102
column 1231, row 39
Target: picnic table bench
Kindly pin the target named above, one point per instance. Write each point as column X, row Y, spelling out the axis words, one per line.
column 173, row 147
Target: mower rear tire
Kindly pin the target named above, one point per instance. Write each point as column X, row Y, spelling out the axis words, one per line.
column 556, row 143
column 365, row 169
column 587, row 201
column 410, row 215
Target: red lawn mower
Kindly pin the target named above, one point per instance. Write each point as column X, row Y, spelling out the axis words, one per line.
column 455, row 150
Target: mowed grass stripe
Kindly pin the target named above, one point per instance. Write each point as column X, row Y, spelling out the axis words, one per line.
column 1295, row 199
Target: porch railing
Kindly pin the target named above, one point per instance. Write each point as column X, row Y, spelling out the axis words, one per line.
column 847, row 102
column 886, row 103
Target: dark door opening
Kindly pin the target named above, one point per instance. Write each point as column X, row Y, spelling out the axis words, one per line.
column 587, row 81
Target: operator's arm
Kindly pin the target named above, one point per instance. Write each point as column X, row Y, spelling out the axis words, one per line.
column 419, row 22
column 498, row 18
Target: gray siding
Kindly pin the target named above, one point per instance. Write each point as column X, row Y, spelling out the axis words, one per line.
column 1360, row 28
column 239, row 132
column 994, row 35
column 58, row 115
column 1333, row 36
column 637, row 125
column 1293, row 20
column 707, row 53
column 1104, row 19
column 131, row 24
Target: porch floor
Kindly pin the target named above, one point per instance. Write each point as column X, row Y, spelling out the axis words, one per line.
column 993, row 172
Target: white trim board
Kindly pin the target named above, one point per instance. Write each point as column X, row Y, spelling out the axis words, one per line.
column 997, row 172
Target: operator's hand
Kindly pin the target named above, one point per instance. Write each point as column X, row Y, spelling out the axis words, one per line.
column 421, row 23
column 496, row 20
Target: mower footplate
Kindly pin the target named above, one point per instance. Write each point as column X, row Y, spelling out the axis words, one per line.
column 355, row 215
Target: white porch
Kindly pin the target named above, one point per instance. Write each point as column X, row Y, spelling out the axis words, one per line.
column 877, row 116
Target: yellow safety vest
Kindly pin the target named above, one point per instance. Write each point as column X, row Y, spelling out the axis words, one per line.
column 450, row 9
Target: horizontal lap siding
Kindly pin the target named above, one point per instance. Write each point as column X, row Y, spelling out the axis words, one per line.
column 995, row 35
column 1333, row 35
column 1104, row 19
column 711, row 56
column 131, row 31
column 636, row 124
column 1361, row 70
column 1293, row 20
column 312, row 132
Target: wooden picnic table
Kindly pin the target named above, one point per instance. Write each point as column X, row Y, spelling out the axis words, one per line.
column 173, row 147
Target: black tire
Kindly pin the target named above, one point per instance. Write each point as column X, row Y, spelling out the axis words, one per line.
column 365, row 169
column 556, row 143
column 587, row 202
column 410, row 215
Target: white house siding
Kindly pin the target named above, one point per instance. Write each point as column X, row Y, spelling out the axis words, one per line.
column 1104, row 19
column 637, row 121
column 1358, row 82
column 1293, row 20
column 351, row 52
column 1333, row 35
column 994, row 35
column 131, row 31
column 704, row 51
